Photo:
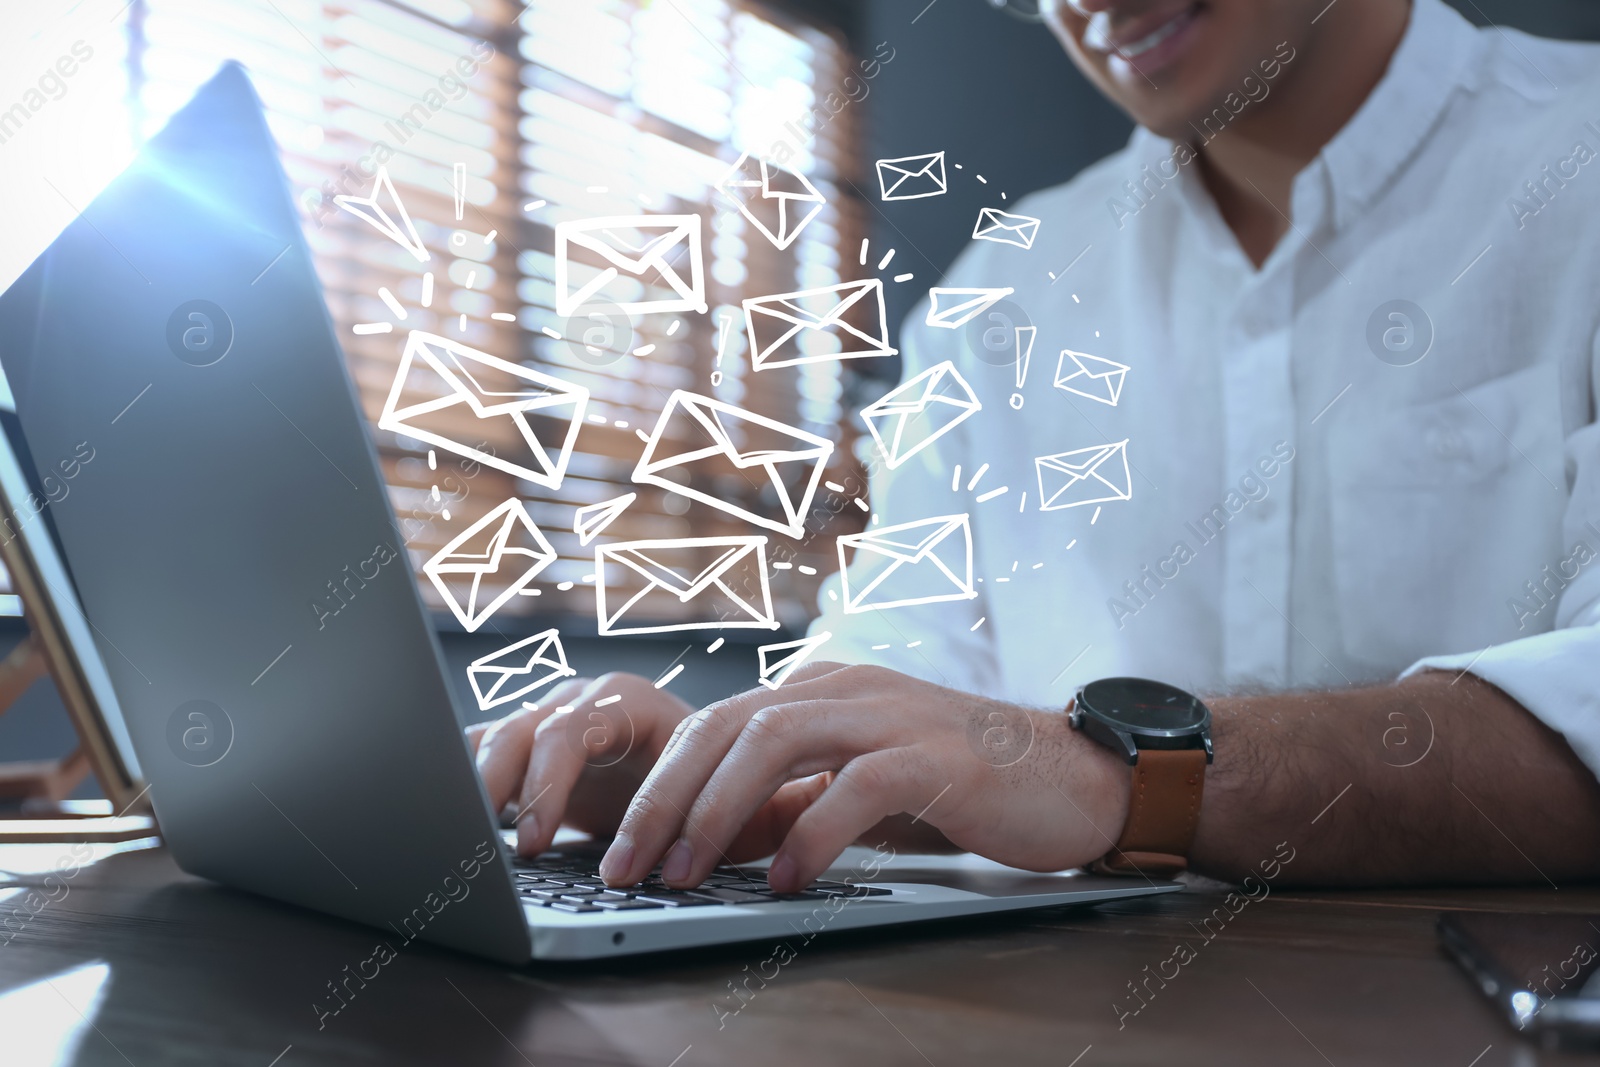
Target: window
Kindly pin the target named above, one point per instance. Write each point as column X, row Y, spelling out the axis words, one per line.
column 576, row 109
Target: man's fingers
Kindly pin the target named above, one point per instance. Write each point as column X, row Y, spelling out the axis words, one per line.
column 566, row 743
column 552, row 771
column 767, row 828
column 778, row 744
column 868, row 788
column 650, row 832
column 503, row 753
column 807, row 672
column 503, row 745
column 649, row 829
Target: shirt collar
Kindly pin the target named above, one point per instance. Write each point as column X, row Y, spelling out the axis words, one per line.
column 1390, row 126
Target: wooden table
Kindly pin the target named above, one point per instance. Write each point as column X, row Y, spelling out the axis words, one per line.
column 140, row 964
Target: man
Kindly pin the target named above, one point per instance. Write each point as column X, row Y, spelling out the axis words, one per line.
column 1350, row 260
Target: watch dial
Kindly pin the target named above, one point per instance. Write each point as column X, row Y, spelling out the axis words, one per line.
column 1141, row 704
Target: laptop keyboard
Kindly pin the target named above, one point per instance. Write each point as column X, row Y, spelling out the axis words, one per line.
column 567, row 882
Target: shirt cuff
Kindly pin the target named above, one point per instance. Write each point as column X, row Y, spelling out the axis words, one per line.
column 1555, row 675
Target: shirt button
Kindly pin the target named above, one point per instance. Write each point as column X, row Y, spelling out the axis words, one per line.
column 1266, row 509
column 1448, row 443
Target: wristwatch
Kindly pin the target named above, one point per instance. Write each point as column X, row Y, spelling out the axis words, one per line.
column 1164, row 733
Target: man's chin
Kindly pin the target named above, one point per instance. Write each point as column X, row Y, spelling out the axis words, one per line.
column 1198, row 122
column 1174, row 126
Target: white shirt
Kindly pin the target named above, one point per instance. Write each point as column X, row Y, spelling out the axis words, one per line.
column 1444, row 514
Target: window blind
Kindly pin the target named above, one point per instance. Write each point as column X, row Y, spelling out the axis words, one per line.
column 528, row 116
column 632, row 107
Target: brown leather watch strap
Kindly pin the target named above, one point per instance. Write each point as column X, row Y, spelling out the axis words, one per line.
column 1163, row 811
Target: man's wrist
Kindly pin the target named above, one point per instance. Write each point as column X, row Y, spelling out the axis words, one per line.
column 1098, row 784
column 1162, row 737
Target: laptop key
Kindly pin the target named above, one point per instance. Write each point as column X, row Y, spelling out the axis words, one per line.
column 635, row 904
column 851, row 891
column 761, row 889
column 569, row 905
column 676, row 899
column 730, row 878
column 743, row 887
column 731, row 896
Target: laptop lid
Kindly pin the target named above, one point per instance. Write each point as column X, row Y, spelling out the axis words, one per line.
column 177, row 327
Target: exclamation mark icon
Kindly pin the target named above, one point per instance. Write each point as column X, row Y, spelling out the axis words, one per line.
column 433, row 465
column 723, row 322
column 1025, row 339
column 459, row 182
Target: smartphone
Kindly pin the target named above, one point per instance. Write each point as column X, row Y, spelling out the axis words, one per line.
column 1539, row 970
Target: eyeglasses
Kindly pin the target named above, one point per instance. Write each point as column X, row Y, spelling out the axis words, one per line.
column 1022, row 10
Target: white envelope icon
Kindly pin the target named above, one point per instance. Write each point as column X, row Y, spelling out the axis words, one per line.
column 779, row 661
column 472, row 399
column 812, row 326
column 648, row 587
column 916, row 413
column 697, row 435
column 912, row 177
column 519, row 669
column 1091, row 376
column 646, row 250
column 952, row 309
column 923, row 562
column 776, row 201
column 496, row 558
column 394, row 224
column 1005, row 228
column 1095, row 475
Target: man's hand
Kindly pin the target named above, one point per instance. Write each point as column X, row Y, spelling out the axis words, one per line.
column 578, row 757
column 809, row 768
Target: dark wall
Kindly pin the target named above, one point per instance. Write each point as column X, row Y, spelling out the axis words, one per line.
column 1001, row 98
column 1575, row 19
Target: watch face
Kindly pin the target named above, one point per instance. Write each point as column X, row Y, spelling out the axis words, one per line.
column 1140, row 705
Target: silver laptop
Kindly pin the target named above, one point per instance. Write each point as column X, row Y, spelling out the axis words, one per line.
column 316, row 761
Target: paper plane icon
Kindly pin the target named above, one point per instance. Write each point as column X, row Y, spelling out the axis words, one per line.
column 951, row 309
column 384, row 211
column 780, row 660
column 592, row 519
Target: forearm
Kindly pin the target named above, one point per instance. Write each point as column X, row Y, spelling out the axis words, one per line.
column 1430, row 780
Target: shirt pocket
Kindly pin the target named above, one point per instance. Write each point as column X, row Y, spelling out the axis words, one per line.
column 1440, row 511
